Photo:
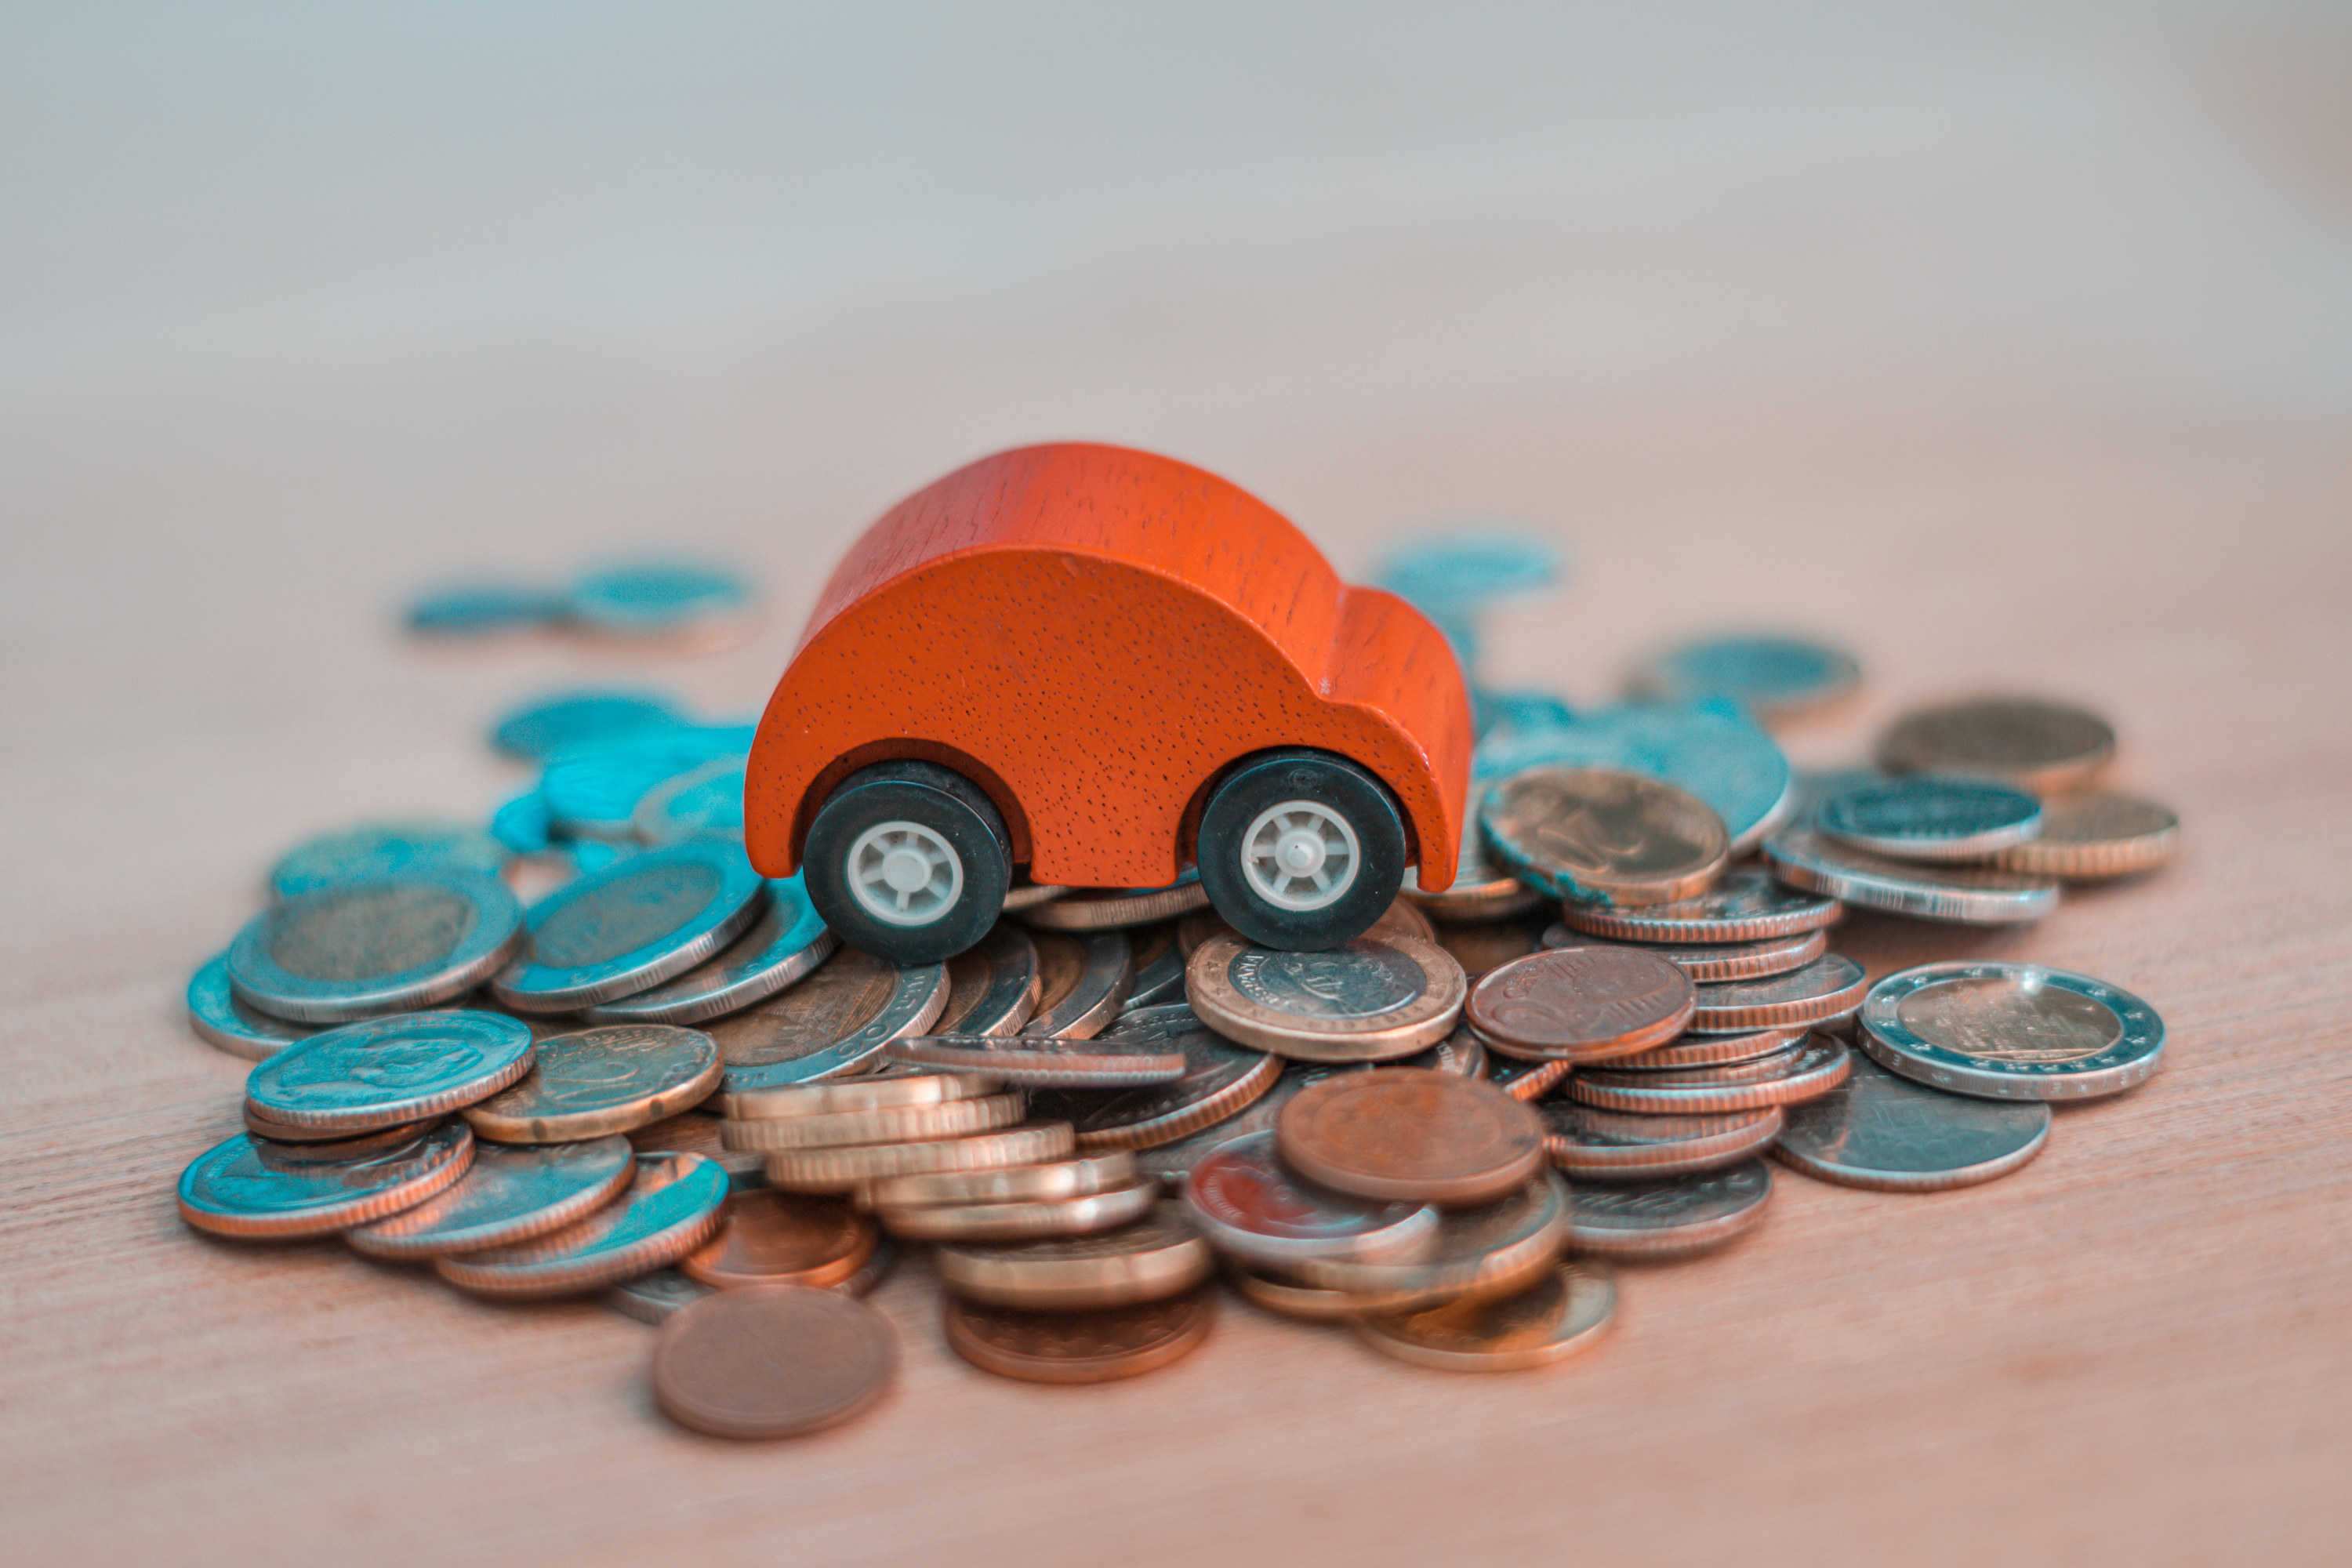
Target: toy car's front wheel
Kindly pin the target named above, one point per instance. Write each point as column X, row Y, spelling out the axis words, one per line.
column 907, row 861
column 1301, row 849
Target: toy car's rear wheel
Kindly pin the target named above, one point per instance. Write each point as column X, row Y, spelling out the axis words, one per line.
column 1301, row 849
column 907, row 861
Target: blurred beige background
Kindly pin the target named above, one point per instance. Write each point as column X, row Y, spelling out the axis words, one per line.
column 2009, row 344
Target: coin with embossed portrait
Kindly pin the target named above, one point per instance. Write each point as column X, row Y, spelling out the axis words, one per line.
column 595, row 1082
column 507, row 1194
column 1597, row 835
column 1930, row 816
column 787, row 942
column 216, row 1015
column 783, row 1238
column 1581, row 1003
column 1596, row 1145
column 1802, row 1071
column 1879, row 1131
column 1707, row 962
column 1078, row 1347
column 1410, row 1135
column 637, row 922
column 1221, row 1079
column 1253, row 1207
column 1370, row 999
column 772, row 1360
column 1159, row 1256
column 672, row 1206
column 2011, row 1031
column 1669, row 1216
column 1829, row 987
column 250, row 1188
column 382, row 1071
column 1083, row 982
column 1564, row 1312
column 830, row 1024
column 2097, row 834
column 2041, row 746
column 1747, row 905
column 384, row 944
column 1968, row 895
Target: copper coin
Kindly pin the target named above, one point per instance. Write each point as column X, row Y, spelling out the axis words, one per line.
column 1829, row 987
column 1815, row 1068
column 893, row 1084
column 1371, row 999
column 382, row 944
column 1600, row 835
column 1403, row 918
column 1019, row 1221
column 1581, row 1003
column 1712, row 1050
column 1256, row 1208
column 596, row 1082
column 671, row 1208
column 1492, row 1249
column 1105, row 909
column 2095, row 835
column 841, row 1170
column 692, row 1133
column 1078, row 1347
column 1522, row 1079
column 1082, row 982
column 1747, row 905
column 1109, row 1062
column 1158, row 1257
column 1596, row 1145
column 1564, row 1312
column 509, row 1194
column 253, row 1190
column 277, row 1131
column 1289, row 1299
column 1410, row 1135
column 773, row 1362
column 993, row 987
column 1710, row 962
column 890, row 1124
column 1221, row 1079
column 1016, row 1185
column 783, row 1238
column 2045, row 747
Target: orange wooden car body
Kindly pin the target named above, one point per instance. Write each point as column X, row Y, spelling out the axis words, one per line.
column 1089, row 634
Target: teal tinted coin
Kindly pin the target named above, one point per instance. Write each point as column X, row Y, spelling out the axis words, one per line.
column 215, row 1015
column 704, row 802
column 786, row 942
column 593, row 791
column 657, row 598
column 540, row 728
column 1710, row 749
column 524, row 825
column 641, row 921
column 385, row 849
column 1770, row 675
column 481, row 609
column 382, row 1072
column 1471, row 566
column 1929, row 816
column 378, row 944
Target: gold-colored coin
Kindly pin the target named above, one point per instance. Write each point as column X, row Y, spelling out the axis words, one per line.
column 891, row 1124
column 993, row 987
column 830, row 1024
column 596, row 1082
column 1600, row 835
column 841, row 1170
column 784, row 1238
column 1495, row 1249
column 1566, row 1312
column 1371, row 999
column 1018, row 1221
column 891, row 1086
column 2095, row 835
column 1158, row 1256
column 1078, row 1347
column 1016, row 1185
column 1289, row 1299
column 1082, row 983
column 2044, row 747
column 1403, row 919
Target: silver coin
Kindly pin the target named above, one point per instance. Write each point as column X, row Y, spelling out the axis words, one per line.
column 704, row 802
column 1596, row 1145
column 787, row 942
column 1802, row 1072
column 817, row 1030
column 652, row 1298
column 1085, row 983
column 385, row 849
column 673, row 1204
column 250, row 1188
column 1970, row 895
column 1746, row 905
column 1675, row 1216
column 632, row 925
column 1221, row 1079
column 1830, row 987
column 2011, row 1031
column 1485, row 1250
column 1481, row 890
column 1772, row 677
column 384, row 1071
column 1715, row 962
column 215, row 1015
column 1929, row 816
column 1029, row 895
column 1249, row 1206
column 483, row 609
column 1042, row 1062
column 388, row 945
column 540, row 728
column 1877, row 1130
column 1159, row 968
column 593, row 790
column 1712, row 1050
column 657, row 598
column 1104, row 908
column 511, row 1193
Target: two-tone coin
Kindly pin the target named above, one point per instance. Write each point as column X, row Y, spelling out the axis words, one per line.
column 1603, row 837
column 1043, row 1062
column 886, row 1125
column 1496, row 1248
column 783, row 1238
column 1773, row 676
column 672, row 1206
column 787, row 942
column 1110, row 909
column 1581, row 1003
column 774, row 1360
column 1077, row 1347
column 2011, row 1031
column 509, row 1194
column 1409, row 1135
column 2045, row 747
column 1711, row 753
column 1369, row 999
column 1564, row 1312
column 385, row 945
column 1802, row 1072
column 2096, row 834
column 637, row 922
column 1156, row 1258
column 1746, row 905
column 1081, row 1215
column 1669, row 1216
column 993, row 987
column 377, row 849
column 1830, row 988
column 706, row 801
column 217, row 1016
column 1710, row 962
column 833, row 1023
column 1403, row 918
column 382, row 1071
column 1082, row 983
column 846, row 1168
column 1595, row 1145
column 1253, row 1207
column 599, row 1082
column 1879, row 1131
column 1221, row 1080
column 1930, row 816
column 1970, row 895
column 253, row 1190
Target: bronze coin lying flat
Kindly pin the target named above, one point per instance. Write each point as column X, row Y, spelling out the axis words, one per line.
column 1565, row 1312
column 783, row 1238
column 772, row 1362
column 1581, row 1003
column 595, row 1082
column 1600, row 835
column 1410, row 1135
column 2095, row 835
column 1078, row 1347
column 2035, row 745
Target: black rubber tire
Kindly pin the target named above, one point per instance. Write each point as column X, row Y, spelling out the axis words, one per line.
column 940, row 799
column 1265, row 781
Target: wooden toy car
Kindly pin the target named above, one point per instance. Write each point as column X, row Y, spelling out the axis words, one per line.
column 1102, row 665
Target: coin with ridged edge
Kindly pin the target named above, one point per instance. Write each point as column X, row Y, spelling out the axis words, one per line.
column 382, row 1071
column 2041, row 746
column 1409, row 1135
column 1829, row 987
column 1221, row 1080
column 1017, row 1221
column 1712, row 1050
column 2095, row 835
column 1747, row 905
column 2011, row 1031
column 1802, row 1072
column 1156, row 1258
column 993, row 987
column 1254, row 1207
column 246, row 1188
column 787, row 942
column 642, row 920
column 1159, row 968
column 887, row 1086
column 1596, row 1145
column 783, row 1238
column 1491, row 1249
column 1581, row 1003
column 1885, row 1132
column 774, row 1360
column 1108, row 909
column 833, row 1023
column 1602, row 836
column 886, row 1125
column 219, row 1019
column 1966, row 895
column 1083, row 983
column 1522, row 1079
column 1046, row 1062
column 1567, row 1311
column 598, row 1081
column 383, row 944
column 1671, row 1216
column 672, row 1206
column 262, row 1127
column 1481, row 890
column 1708, row 963
column 1020, row 1183
column 1930, row 816
column 509, row 1194
column 385, row 849
column 842, row 1169
column 1078, row 1347
column 1367, row 1000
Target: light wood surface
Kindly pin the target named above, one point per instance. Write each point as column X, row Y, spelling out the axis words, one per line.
column 2010, row 349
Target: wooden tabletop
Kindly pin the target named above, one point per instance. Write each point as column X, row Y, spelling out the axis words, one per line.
column 2008, row 353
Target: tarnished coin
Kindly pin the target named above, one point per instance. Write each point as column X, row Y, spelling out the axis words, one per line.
column 1107, row 909
column 1078, row 1347
column 1367, row 1000
column 672, row 1206
column 217, row 1016
column 1708, row 962
column 1523, row 1078
column 388, row 945
column 1581, row 1003
column 1020, row 1185
column 1563, row 1313
column 1490, row 944
column 886, row 1124
column 1287, row 1298
column 833, row 1023
column 1219, row 1079
column 1083, row 983
column 636, row 923
column 261, row 1126
column 654, row 1298
column 2011, row 1031
column 2044, row 747
column 1671, row 1216
column 774, row 1360
column 788, row 940
column 600, row 1081
column 538, row 730
column 1770, row 675
column 1971, row 895
column 843, row 1169
column 783, row 1238
column 1252, row 1206
column 706, row 801
column 385, row 1070
column 1747, row 905
column 1879, row 1131
column 1481, row 890
column 1829, row 987
column 699, row 600
column 1596, row 1145
column 253, row 1190
column 1158, row 1257
column 1712, row 1050
column 1046, row 1062
column 1602, row 836
column 1018, row 1221
column 1930, row 816
column 507, row 1194
column 2095, row 835
column 894, row 1085
column 992, row 988
column 1159, row 967
column 1802, row 1072
column 1492, row 1249
column 1711, row 751
column 377, row 849
column 1408, row 1135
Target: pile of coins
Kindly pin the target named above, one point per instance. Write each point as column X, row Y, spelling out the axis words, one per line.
column 667, row 1082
